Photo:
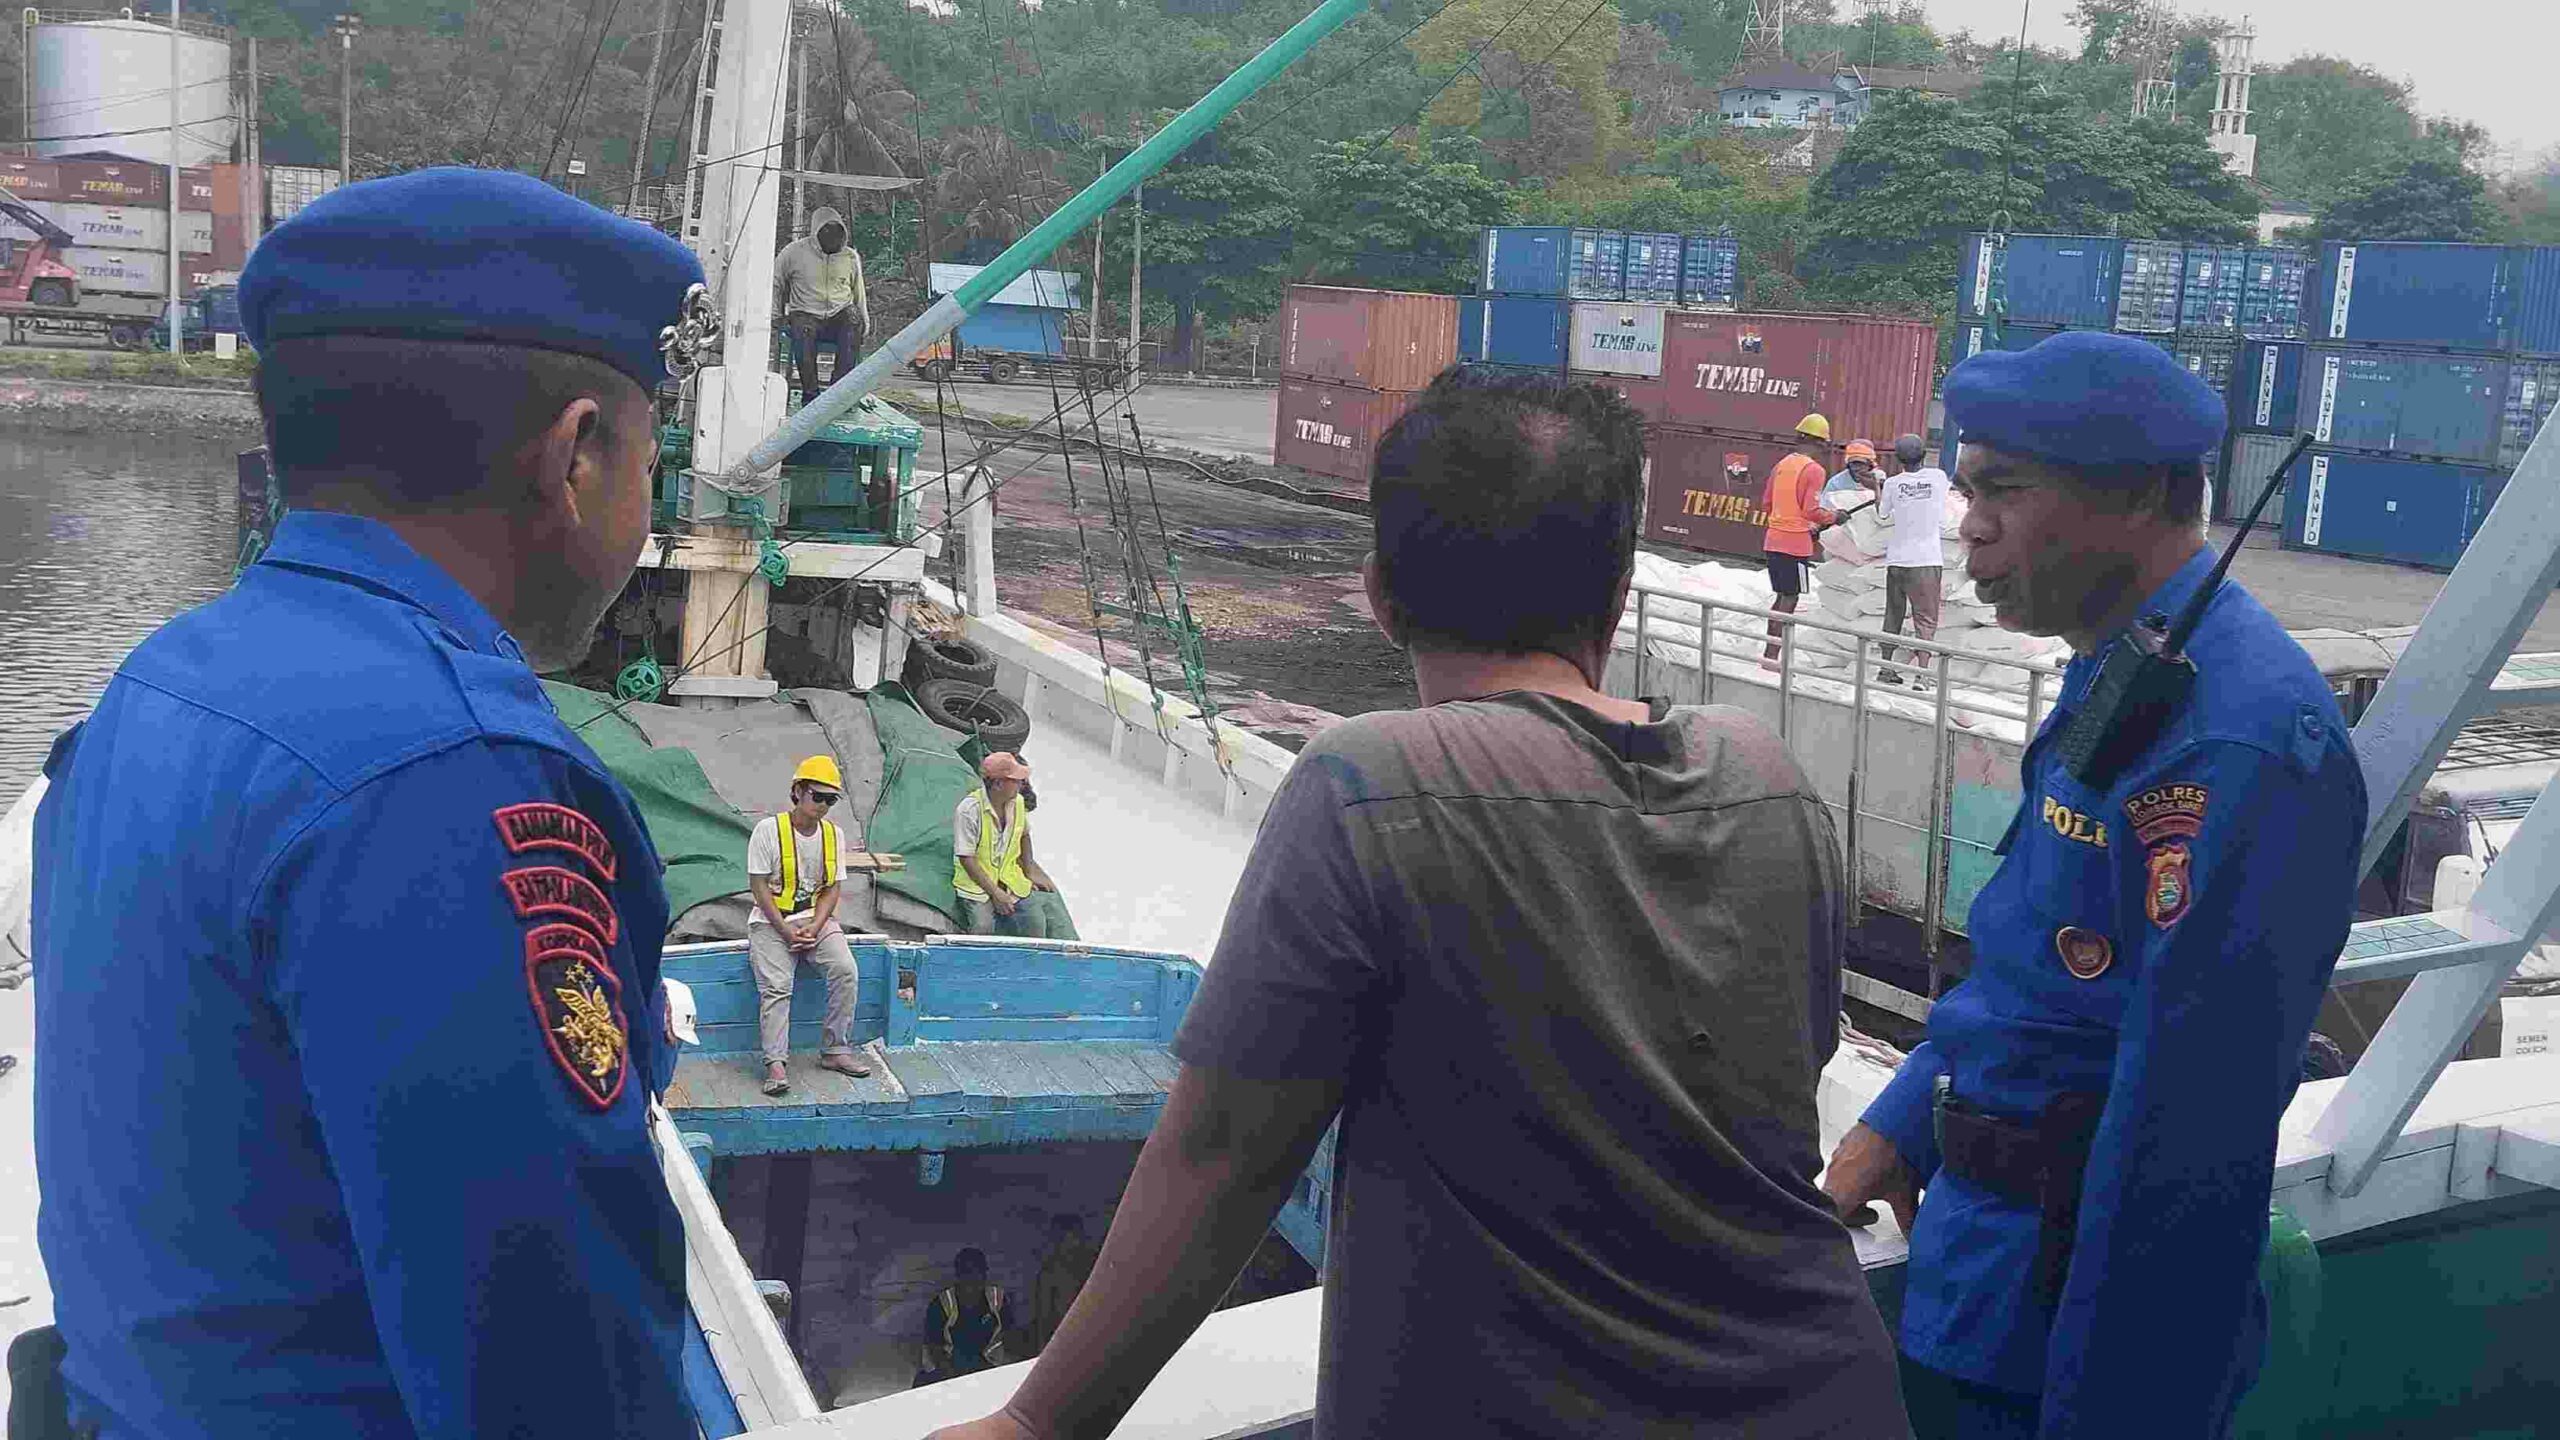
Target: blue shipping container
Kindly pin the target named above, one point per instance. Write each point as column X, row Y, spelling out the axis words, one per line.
column 2405, row 402
column 2271, row 294
column 1515, row 330
column 2420, row 512
column 1598, row 268
column 2041, row 279
column 2406, row 293
column 1711, row 272
column 1021, row 329
column 2538, row 300
column 2266, row 386
column 1653, row 269
column 1975, row 336
column 2149, row 286
column 2532, row 387
column 2216, row 282
column 1524, row 260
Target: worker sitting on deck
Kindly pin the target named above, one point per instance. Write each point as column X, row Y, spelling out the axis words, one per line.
column 1567, row 966
column 964, row 1326
column 1793, row 502
column 1002, row 889
column 795, row 888
column 817, row 286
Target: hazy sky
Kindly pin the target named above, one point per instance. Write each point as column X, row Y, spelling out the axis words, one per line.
column 2477, row 60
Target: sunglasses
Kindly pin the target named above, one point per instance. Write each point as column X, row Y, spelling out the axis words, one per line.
column 826, row 798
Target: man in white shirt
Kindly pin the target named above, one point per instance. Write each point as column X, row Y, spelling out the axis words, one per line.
column 1912, row 500
column 795, row 891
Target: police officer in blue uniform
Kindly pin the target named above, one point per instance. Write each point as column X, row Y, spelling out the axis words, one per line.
column 2090, row 1128
column 348, row 971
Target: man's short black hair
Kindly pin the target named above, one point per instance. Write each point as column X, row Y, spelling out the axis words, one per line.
column 423, row 421
column 972, row 1261
column 1506, row 506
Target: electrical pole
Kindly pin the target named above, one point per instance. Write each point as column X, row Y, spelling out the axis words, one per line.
column 799, row 129
column 177, row 191
column 1137, row 247
column 649, row 102
column 347, row 25
column 1093, row 329
column 253, row 175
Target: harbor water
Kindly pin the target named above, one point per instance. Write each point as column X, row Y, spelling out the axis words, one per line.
column 102, row 538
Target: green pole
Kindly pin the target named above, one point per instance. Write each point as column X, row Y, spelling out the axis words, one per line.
column 947, row 312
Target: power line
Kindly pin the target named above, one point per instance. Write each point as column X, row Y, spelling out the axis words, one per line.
column 1347, row 71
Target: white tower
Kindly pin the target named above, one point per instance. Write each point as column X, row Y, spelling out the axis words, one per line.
column 2231, row 102
column 2153, row 45
column 1764, row 40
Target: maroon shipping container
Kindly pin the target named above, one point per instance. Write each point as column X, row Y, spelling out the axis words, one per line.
column 1760, row 374
column 115, row 182
column 1704, row 489
column 1333, row 430
column 1381, row 339
column 31, row 179
column 1647, row 393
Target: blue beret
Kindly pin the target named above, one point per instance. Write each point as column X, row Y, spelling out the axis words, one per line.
column 460, row 254
column 2085, row 398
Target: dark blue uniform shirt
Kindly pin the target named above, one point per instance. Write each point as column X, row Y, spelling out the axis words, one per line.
column 2163, row 942
column 348, row 1001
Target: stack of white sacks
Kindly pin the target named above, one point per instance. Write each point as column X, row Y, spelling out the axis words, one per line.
column 1849, row 590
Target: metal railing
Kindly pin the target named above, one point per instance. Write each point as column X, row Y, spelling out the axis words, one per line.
column 1968, row 694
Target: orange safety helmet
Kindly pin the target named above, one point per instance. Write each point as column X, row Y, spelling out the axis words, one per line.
column 1860, row 450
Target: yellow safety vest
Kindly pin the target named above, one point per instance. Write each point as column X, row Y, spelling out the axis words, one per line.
column 1007, row 867
column 787, row 892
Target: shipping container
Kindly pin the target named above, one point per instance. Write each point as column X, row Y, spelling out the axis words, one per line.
column 1016, row 329
column 1975, row 336
column 290, row 187
column 2249, row 472
column 2217, row 281
column 134, row 272
column 2533, row 385
column 2419, row 512
column 2459, row 297
column 2537, row 329
column 1618, row 338
column 1598, row 265
column 2271, row 296
column 1760, row 374
column 1711, row 272
column 1652, row 269
column 1704, row 489
column 1646, row 393
column 2041, row 279
column 1524, row 260
column 1514, row 330
column 2208, row 357
column 2150, row 281
column 2265, row 393
column 2404, row 402
column 31, row 179
column 114, row 182
column 1333, row 430
column 1384, row 339
column 122, row 227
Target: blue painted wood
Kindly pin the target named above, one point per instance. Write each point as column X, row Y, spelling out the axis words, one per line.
column 902, row 1019
column 1159, row 1064
column 1178, row 984
column 715, row 1409
column 931, row 1087
column 698, row 1146
column 757, row 1133
column 1122, row 1078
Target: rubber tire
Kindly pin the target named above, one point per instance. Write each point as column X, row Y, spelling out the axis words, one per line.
column 125, row 337
column 1002, row 369
column 49, row 292
column 994, row 718
column 949, row 658
column 936, row 371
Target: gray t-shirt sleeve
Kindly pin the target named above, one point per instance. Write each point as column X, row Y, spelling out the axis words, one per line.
column 1296, row 971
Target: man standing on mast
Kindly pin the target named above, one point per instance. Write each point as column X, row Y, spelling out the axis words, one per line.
column 2089, row 1134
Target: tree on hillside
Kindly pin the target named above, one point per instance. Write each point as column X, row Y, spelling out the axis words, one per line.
column 2433, row 197
column 2321, row 121
column 1221, row 222
column 2530, row 203
column 1530, row 78
column 1384, row 216
column 1885, row 220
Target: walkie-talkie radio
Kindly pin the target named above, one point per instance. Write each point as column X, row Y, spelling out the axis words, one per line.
column 2145, row 677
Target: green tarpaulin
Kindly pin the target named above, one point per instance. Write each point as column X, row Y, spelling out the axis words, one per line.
column 923, row 780
column 701, row 837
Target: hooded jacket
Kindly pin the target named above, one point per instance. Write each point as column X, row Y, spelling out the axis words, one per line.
column 809, row 281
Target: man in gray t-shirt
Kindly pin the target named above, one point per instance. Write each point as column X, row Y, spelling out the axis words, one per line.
column 1566, row 966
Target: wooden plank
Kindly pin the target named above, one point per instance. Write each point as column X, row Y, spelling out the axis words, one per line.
column 1078, row 1075
column 1043, row 1029
column 931, row 1087
column 1124, row 1079
column 749, row 1133
column 985, row 1073
column 1047, row 1077
column 1158, row 1063
column 760, row 1368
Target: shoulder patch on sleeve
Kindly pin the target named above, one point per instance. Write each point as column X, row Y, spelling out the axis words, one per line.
column 557, row 890
column 542, row 824
column 577, row 1003
column 2174, row 811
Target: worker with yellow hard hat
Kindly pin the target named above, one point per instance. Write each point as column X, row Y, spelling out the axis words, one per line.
column 795, row 887
column 1857, row 469
column 1792, row 500
column 1001, row 888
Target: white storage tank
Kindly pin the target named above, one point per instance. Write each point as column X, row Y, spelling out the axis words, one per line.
column 103, row 84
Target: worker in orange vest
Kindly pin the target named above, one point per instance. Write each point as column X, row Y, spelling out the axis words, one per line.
column 1794, row 504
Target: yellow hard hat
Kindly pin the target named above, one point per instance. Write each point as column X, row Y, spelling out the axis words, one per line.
column 819, row 770
column 1815, row 426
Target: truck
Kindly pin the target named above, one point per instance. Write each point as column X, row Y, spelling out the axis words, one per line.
column 1924, row 786
column 1022, row 329
column 211, row 309
column 41, row 295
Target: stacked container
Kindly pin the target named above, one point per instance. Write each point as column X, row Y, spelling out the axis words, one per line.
column 2428, row 371
column 1710, row 272
column 1351, row 362
column 118, row 215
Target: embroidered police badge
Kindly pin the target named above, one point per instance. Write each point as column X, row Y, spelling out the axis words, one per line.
column 577, row 1001
column 2168, row 884
column 2085, row 953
